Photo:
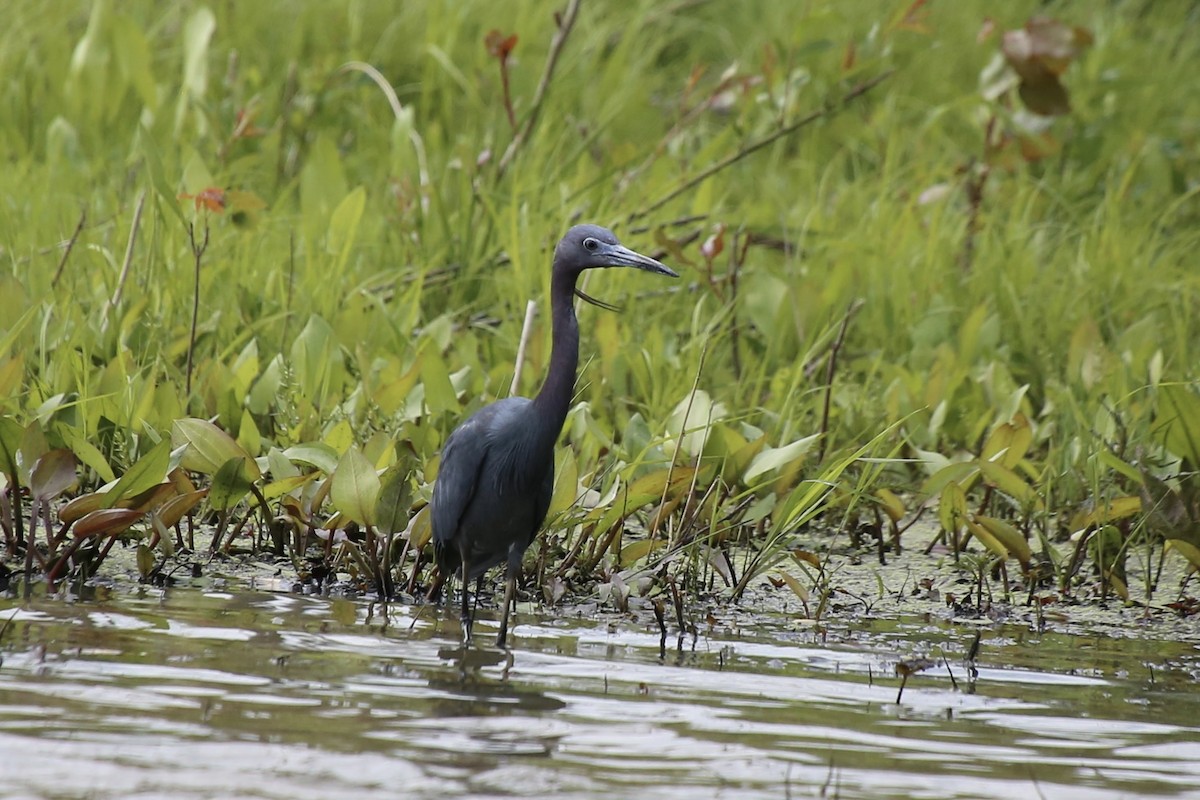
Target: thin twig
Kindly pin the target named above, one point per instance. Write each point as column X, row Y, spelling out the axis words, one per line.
column 530, row 313
column 770, row 138
column 198, row 253
column 62, row 262
column 565, row 22
column 829, row 373
column 133, row 232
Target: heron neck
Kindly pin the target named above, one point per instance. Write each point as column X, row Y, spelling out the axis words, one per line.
column 554, row 398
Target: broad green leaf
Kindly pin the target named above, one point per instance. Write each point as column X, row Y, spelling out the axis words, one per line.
column 248, row 436
column 1010, row 483
column 86, row 452
column 287, row 485
column 961, row 472
column 230, row 484
column 892, row 505
column 420, row 530
column 690, row 421
column 355, row 487
column 134, row 59
column 15, row 329
column 636, row 551
column 209, row 448
column 439, row 392
column 145, row 560
column 1108, row 511
column 33, row 446
column 395, row 499
column 1180, row 410
column 52, row 474
column 566, row 482
column 1009, row 537
column 1008, row 443
column 952, row 507
column 779, row 457
column 1186, row 549
column 794, row 584
column 315, row 454
column 986, row 539
column 340, row 437
column 148, row 472
column 343, row 227
column 280, row 466
column 197, row 33
column 10, row 443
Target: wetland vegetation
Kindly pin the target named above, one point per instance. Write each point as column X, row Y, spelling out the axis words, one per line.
column 939, row 292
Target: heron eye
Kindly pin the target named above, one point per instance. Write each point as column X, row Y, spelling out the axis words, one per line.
column 590, row 244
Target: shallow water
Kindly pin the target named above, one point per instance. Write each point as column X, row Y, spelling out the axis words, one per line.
column 188, row 694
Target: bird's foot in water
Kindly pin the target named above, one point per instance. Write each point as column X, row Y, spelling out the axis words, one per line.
column 466, row 630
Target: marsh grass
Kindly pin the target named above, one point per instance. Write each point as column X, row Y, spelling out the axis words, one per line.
column 373, row 243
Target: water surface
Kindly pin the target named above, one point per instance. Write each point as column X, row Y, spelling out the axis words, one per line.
column 184, row 693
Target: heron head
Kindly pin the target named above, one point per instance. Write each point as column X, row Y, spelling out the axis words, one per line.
column 594, row 247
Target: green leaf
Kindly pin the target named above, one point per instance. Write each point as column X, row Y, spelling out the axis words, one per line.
column 14, row 330
column 314, row 454
column 1186, row 549
column 395, row 499
column 439, row 392
column 52, row 474
column 148, row 472
column 229, row 484
column 952, row 508
column 421, row 529
column 986, row 539
column 689, row 424
column 145, row 560
column 960, row 472
column 10, row 443
column 1010, row 537
column 86, row 452
column 355, row 487
column 779, row 457
column 343, row 227
column 134, row 60
column 1181, row 413
column 566, row 482
column 209, row 448
column 1010, row 483
column 197, row 33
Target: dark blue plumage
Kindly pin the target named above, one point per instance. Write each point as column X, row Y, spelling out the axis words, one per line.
column 497, row 471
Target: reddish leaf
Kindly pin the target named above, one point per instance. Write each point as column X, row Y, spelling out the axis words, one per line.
column 714, row 245
column 498, row 45
column 211, row 199
column 1039, row 53
column 106, row 521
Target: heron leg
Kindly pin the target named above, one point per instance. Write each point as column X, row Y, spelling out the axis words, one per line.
column 510, row 589
column 465, row 614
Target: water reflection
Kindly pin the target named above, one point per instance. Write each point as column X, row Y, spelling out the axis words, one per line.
column 193, row 694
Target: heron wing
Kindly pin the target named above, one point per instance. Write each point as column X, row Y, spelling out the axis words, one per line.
column 464, row 459
column 457, row 479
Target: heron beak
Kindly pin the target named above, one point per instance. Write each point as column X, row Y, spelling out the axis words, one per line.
column 619, row 255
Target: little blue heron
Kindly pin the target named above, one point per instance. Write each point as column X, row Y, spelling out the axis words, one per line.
column 494, row 484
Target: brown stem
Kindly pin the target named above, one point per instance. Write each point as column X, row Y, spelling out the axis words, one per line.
column 829, row 373
column 757, row 145
column 62, row 262
column 198, row 253
column 565, row 23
